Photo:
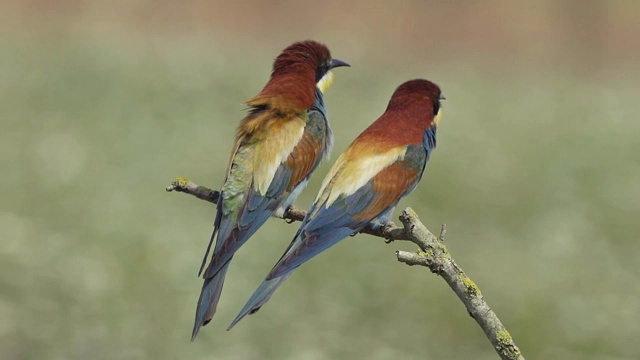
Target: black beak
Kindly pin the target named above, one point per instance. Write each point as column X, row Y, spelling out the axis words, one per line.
column 442, row 97
column 337, row 63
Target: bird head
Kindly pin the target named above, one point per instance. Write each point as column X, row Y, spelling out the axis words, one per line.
column 310, row 60
column 419, row 94
column 298, row 71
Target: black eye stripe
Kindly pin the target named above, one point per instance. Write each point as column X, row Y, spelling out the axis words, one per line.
column 321, row 71
column 436, row 107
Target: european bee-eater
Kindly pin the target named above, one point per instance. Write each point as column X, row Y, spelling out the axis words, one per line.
column 278, row 145
column 383, row 164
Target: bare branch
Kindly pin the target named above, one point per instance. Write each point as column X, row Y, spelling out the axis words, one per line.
column 433, row 254
column 389, row 232
column 186, row 186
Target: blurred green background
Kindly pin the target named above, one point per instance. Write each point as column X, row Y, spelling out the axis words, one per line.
column 537, row 175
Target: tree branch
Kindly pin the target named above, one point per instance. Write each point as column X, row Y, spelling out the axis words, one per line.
column 390, row 232
column 433, row 254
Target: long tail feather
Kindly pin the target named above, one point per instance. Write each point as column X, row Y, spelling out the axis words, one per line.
column 259, row 297
column 216, row 227
column 208, row 301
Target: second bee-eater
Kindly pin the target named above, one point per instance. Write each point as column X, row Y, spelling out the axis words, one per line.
column 278, row 145
column 383, row 164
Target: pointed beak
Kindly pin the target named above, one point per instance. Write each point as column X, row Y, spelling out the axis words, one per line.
column 338, row 63
column 442, row 97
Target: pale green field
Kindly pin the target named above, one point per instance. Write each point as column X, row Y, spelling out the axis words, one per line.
column 537, row 175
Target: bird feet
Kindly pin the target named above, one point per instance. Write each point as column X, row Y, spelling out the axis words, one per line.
column 388, row 226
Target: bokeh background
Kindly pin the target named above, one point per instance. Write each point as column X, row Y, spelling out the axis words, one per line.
column 537, row 175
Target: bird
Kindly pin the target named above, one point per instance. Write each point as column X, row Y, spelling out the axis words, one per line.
column 278, row 145
column 382, row 165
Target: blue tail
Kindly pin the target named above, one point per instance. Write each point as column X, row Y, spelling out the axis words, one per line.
column 260, row 297
column 209, row 297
